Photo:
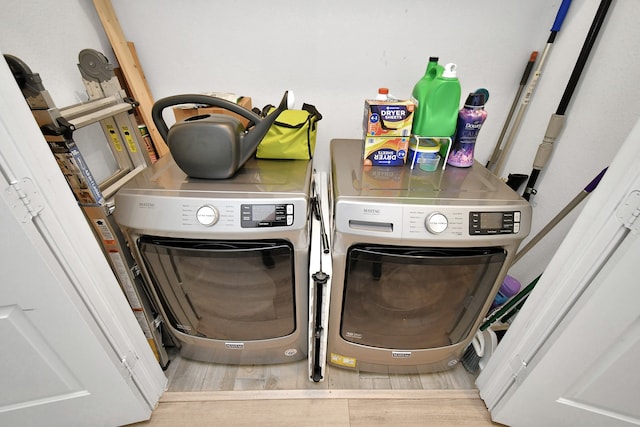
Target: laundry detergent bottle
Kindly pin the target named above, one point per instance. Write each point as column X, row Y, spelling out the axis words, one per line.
column 470, row 120
column 437, row 99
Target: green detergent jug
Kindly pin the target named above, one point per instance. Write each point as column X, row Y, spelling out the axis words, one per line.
column 437, row 99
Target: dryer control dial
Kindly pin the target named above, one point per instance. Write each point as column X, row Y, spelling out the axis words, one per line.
column 207, row 215
column 436, row 223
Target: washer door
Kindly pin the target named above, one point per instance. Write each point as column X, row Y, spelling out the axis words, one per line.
column 415, row 298
column 226, row 290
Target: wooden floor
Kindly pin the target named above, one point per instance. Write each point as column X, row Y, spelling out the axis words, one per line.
column 189, row 376
column 204, row 394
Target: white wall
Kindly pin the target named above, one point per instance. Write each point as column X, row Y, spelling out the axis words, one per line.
column 336, row 53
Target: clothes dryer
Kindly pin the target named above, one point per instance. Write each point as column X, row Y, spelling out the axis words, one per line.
column 417, row 259
column 225, row 262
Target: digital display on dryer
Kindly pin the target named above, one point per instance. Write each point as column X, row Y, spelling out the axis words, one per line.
column 263, row 215
column 483, row 223
column 491, row 220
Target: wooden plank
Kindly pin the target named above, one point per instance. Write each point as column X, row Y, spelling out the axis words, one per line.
column 416, row 412
column 131, row 69
column 321, row 408
column 432, row 395
column 136, row 60
column 307, row 413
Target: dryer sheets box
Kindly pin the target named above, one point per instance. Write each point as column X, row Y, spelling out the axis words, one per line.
column 385, row 151
column 388, row 118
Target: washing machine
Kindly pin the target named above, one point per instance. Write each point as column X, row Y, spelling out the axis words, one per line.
column 417, row 260
column 224, row 262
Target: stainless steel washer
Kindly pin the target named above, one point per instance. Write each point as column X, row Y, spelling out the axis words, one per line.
column 417, row 259
column 225, row 262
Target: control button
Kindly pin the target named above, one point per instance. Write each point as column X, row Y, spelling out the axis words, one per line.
column 207, row 215
column 516, row 227
column 289, row 219
column 516, row 216
column 436, row 223
column 289, row 209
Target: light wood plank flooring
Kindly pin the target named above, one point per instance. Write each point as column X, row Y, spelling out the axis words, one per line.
column 188, row 376
column 351, row 408
column 204, row 394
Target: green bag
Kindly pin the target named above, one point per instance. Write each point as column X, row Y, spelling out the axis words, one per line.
column 292, row 135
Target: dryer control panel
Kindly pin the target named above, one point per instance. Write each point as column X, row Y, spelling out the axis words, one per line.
column 484, row 223
column 266, row 215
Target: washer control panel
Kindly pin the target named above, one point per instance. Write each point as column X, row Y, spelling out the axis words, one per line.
column 434, row 222
column 484, row 223
column 266, row 215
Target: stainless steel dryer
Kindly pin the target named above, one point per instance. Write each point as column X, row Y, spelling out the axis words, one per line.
column 226, row 262
column 417, row 259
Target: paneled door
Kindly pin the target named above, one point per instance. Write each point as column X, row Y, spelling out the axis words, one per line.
column 72, row 353
column 570, row 357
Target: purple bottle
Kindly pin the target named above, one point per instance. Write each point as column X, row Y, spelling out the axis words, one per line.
column 510, row 286
column 470, row 120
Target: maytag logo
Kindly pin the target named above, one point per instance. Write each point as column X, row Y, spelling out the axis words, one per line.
column 371, row 211
column 234, row 345
column 146, row 205
column 354, row 335
column 400, row 354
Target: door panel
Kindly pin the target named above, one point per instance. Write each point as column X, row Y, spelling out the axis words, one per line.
column 54, row 366
column 596, row 392
column 587, row 373
column 28, row 359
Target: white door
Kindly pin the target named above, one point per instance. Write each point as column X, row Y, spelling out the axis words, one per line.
column 72, row 352
column 571, row 356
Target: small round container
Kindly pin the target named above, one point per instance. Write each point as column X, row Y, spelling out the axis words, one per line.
column 425, row 153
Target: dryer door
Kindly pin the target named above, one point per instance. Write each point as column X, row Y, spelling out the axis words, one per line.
column 416, row 298
column 226, row 290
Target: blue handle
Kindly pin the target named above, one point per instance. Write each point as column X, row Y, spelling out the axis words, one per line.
column 564, row 8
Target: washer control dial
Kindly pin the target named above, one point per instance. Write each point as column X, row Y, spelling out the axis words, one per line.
column 207, row 215
column 436, row 223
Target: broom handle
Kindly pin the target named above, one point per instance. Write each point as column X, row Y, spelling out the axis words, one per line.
column 560, row 216
column 497, row 151
column 498, row 313
column 562, row 12
column 557, row 120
